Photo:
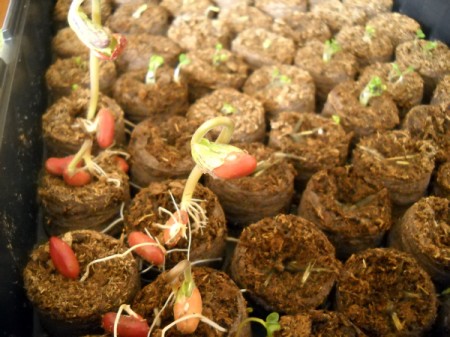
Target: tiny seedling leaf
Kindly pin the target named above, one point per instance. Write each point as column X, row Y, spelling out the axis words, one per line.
column 420, row 34
column 336, row 119
column 155, row 62
column 374, row 88
column 272, row 323
column 228, row 109
column 331, row 47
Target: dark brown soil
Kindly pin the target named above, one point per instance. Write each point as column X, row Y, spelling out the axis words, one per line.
column 282, row 88
column 441, row 185
column 266, row 193
column 424, row 232
column 66, row 43
column 441, row 95
column 157, row 101
column 247, row 113
column 377, row 48
column 398, row 27
column 143, row 212
column 432, row 65
column 342, row 66
column 403, row 165
column 153, row 20
column 370, row 7
column 161, row 151
column 222, row 302
column 64, row 134
column 379, row 115
column 353, row 213
column 317, row 142
column 281, row 9
column 428, row 122
column 140, row 47
column 302, row 27
column 193, row 32
column 210, row 69
column 406, row 91
column 180, row 7
column 259, row 47
column 318, row 323
column 69, row 307
column 67, row 75
column 286, row 264
column 92, row 206
column 243, row 16
column 336, row 15
column 385, row 293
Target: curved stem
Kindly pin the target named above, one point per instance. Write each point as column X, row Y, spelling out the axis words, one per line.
column 248, row 320
column 94, row 65
column 84, row 151
column 224, row 138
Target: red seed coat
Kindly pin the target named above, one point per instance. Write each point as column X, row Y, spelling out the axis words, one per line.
column 105, row 128
column 151, row 254
column 128, row 326
column 63, row 258
column 187, row 306
column 236, row 165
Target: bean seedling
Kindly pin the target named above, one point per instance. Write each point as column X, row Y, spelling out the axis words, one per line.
column 369, row 33
column 219, row 56
column 183, row 60
column 155, row 62
column 396, row 75
column 330, row 48
column 374, row 88
column 271, row 324
column 279, row 78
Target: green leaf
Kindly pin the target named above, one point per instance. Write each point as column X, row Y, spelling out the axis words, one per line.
column 272, row 323
column 331, row 47
column 420, row 34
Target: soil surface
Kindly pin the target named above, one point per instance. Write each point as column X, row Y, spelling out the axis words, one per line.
column 71, row 306
column 286, row 264
column 143, row 213
column 265, row 193
column 161, row 151
column 222, row 300
column 354, row 213
column 385, row 293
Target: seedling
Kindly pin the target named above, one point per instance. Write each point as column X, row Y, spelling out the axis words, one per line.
column 336, row 119
column 330, row 48
column 420, row 34
column 155, row 62
column 374, row 88
column 64, row 258
column 279, row 78
column 369, row 34
column 271, row 324
column 183, row 60
column 228, row 109
column 267, row 43
column 219, row 56
column 430, row 46
column 101, row 42
column 139, row 11
column 396, row 75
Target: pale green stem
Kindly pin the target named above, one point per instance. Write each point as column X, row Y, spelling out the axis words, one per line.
column 94, row 65
column 224, row 138
column 248, row 320
column 85, row 149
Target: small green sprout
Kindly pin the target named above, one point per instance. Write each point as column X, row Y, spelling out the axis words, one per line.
column 183, row 60
column 155, row 62
column 336, row 119
column 272, row 323
column 396, row 75
column 267, row 43
column 219, row 57
column 74, row 87
column 139, row 11
column 374, row 88
column 369, row 33
column 277, row 77
column 430, row 46
column 331, row 47
column 420, row 34
column 228, row 109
